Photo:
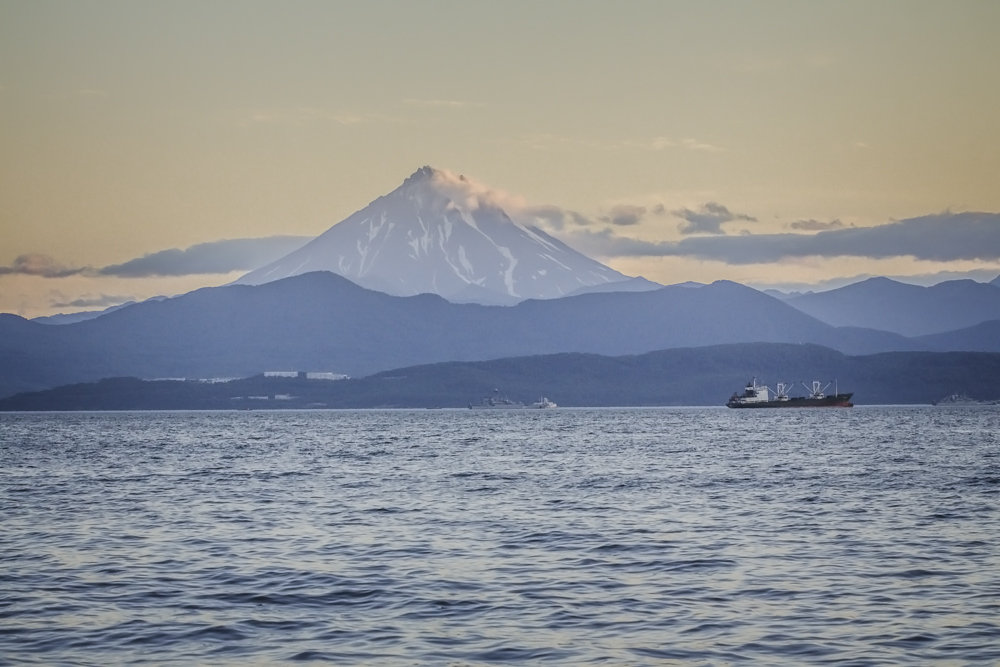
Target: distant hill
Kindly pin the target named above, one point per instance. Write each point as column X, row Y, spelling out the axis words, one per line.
column 983, row 337
column 72, row 318
column 908, row 310
column 321, row 321
column 638, row 284
column 687, row 376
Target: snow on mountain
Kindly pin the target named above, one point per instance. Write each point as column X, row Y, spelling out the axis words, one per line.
column 443, row 234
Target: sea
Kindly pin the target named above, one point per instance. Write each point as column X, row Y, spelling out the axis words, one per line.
column 653, row 536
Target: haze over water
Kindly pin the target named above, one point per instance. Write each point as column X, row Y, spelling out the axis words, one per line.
column 610, row 536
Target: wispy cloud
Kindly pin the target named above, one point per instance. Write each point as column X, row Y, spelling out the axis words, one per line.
column 304, row 115
column 205, row 258
column 216, row 257
column 708, row 219
column 666, row 143
column 549, row 141
column 91, row 92
column 816, row 225
column 695, row 145
column 943, row 238
column 37, row 264
column 101, row 301
column 624, row 215
column 553, row 217
column 441, row 104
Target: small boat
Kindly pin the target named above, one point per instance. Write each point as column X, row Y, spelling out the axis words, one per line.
column 544, row 403
column 761, row 396
column 960, row 399
column 496, row 402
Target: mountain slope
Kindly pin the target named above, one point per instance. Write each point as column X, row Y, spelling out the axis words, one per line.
column 441, row 234
column 322, row 322
column 637, row 284
column 71, row 318
column 909, row 310
column 982, row 337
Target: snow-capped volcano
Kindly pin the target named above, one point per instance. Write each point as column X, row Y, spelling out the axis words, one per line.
column 442, row 234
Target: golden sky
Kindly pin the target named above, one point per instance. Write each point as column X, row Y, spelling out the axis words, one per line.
column 131, row 128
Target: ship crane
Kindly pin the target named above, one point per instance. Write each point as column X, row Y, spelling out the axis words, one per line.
column 816, row 391
column 781, row 393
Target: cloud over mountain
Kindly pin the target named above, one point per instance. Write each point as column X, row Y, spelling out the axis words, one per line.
column 213, row 257
column 944, row 237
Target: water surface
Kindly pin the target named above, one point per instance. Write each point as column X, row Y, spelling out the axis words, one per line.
column 605, row 536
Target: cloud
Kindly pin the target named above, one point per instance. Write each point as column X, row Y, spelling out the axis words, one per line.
column 553, row 217
column 664, row 143
column 37, row 264
column 548, row 141
column 471, row 195
column 709, row 219
column 816, row 225
column 446, row 104
column 624, row 215
column 102, row 301
column 297, row 116
column 214, row 257
column 466, row 192
column 942, row 238
column 205, row 258
column 695, row 145
column 556, row 218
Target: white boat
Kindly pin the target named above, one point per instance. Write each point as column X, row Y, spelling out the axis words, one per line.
column 544, row 403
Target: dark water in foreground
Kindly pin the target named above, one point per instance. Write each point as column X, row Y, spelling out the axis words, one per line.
column 614, row 537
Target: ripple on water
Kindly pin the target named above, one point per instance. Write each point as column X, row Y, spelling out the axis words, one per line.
column 450, row 537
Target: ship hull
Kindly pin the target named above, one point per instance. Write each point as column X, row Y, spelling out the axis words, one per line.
column 835, row 401
column 498, row 407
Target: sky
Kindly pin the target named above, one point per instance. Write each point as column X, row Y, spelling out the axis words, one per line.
column 150, row 148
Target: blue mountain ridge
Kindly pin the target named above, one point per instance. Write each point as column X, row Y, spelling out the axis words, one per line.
column 909, row 310
column 323, row 322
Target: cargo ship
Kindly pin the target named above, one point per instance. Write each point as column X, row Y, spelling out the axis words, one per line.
column 760, row 396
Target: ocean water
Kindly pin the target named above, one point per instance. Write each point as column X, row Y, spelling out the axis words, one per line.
column 459, row 537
